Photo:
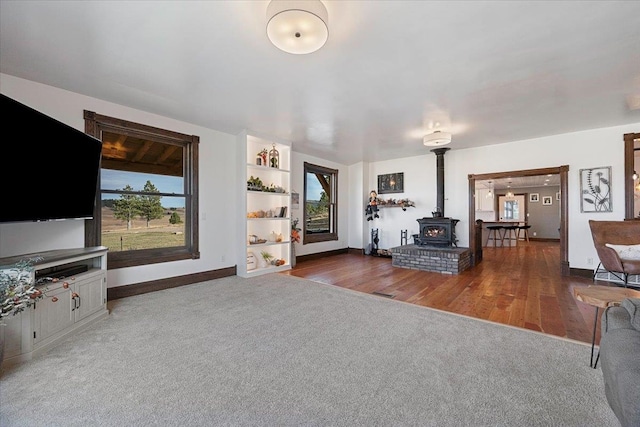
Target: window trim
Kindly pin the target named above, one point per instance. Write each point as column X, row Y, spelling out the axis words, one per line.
column 333, row 205
column 95, row 124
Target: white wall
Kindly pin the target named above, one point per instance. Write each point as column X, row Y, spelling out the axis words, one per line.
column 344, row 205
column 578, row 150
column 419, row 187
column 217, row 187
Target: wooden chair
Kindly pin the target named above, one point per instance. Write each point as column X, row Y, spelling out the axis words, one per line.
column 615, row 233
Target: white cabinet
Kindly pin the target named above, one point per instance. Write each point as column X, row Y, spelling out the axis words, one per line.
column 265, row 204
column 484, row 199
column 77, row 298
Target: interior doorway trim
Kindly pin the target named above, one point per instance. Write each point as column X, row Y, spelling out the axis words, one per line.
column 563, row 171
column 629, row 139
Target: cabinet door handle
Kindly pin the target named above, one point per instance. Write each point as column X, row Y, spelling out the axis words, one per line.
column 79, row 301
column 74, row 304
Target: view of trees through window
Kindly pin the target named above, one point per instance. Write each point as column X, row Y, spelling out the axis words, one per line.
column 320, row 208
column 142, row 194
column 138, row 219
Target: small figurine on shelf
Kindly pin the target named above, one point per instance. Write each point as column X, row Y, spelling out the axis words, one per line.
column 261, row 160
column 372, row 207
column 274, row 157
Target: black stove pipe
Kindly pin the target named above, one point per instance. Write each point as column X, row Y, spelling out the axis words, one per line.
column 439, row 152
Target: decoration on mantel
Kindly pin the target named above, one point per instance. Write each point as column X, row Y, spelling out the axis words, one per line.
column 393, row 203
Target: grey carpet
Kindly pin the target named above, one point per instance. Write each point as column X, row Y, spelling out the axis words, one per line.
column 281, row 351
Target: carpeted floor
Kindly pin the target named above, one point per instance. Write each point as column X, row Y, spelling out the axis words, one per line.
column 277, row 350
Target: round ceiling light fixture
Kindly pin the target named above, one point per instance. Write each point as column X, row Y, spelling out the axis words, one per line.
column 297, row 27
column 437, row 138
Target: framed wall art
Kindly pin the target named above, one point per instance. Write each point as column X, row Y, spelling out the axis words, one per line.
column 534, row 197
column 391, row 183
column 547, row 200
column 595, row 189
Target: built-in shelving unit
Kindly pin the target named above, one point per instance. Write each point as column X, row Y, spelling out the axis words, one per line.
column 265, row 204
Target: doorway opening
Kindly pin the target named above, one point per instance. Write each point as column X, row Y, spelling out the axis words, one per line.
column 562, row 198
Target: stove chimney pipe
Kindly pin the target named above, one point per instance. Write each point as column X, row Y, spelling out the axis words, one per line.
column 439, row 152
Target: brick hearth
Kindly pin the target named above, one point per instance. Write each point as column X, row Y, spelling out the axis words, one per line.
column 448, row 260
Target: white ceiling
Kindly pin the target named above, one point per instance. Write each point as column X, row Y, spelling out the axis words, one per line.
column 489, row 72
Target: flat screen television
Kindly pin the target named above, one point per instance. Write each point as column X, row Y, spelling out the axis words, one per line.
column 49, row 169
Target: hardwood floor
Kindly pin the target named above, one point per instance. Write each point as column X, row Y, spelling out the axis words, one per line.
column 519, row 286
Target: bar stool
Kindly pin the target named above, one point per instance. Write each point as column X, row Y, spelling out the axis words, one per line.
column 495, row 234
column 526, row 231
column 509, row 234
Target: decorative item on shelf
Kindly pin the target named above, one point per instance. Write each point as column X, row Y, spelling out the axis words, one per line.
column 261, row 157
column 295, row 238
column 274, row 157
column 275, row 237
column 275, row 189
column 252, row 262
column 254, row 184
column 17, row 288
column 256, row 214
column 266, row 258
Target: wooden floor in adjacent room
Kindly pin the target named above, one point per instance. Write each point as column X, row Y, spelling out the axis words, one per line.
column 519, row 286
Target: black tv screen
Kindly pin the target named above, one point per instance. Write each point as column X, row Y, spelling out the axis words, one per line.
column 49, row 170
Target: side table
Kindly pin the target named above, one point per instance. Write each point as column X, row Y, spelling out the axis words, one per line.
column 602, row 297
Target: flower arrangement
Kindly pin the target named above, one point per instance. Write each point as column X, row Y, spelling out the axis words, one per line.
column 17, row 288
column 295, row 231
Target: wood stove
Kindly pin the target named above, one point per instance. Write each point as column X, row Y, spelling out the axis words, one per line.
column 436, row 231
